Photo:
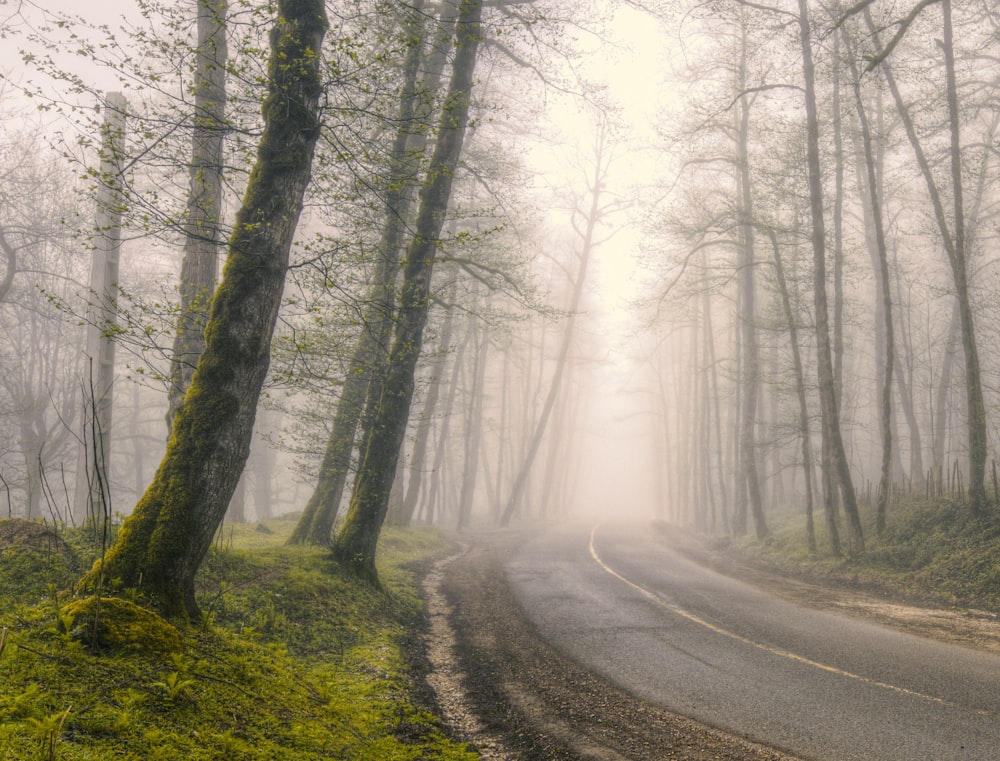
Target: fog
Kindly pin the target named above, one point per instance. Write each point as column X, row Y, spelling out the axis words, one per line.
column 649, row 302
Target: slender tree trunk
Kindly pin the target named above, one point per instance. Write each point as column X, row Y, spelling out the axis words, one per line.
column 473, row 426
column 357, row 540
column 828, row 400
column 955, row 246
column 371, row 350
column 940, row 411
column 199, row 268
column 592, row 215
column 882, row 260
column 749, row 473
column 418, row 458
column 164, row 540
column 800, row 387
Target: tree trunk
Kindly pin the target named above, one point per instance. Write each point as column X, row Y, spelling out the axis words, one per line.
column 474, row 424
column 827, row 389
column 199, row 268
column 357, row 540
column 955, row 247
column 749, row 477
column 418, row 459
column 93, row 487
column 800, row 387
column 164, row 540
column 882, row 260
column 370, row 354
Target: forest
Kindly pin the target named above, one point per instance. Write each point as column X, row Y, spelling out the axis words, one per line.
column 356, row 266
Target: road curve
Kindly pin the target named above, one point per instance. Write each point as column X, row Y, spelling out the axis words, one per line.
column 620, row 601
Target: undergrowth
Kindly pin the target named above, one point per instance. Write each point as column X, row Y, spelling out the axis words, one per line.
column 294, row 660
column 932, row 552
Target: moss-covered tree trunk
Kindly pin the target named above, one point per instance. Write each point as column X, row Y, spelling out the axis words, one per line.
column 162, row 544
column 371, row 351
column 356, row 542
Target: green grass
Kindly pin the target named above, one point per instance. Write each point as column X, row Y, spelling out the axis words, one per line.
column 296, row 660
column 932, row 552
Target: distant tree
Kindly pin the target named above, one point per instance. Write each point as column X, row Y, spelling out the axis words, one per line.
column 952, row 228
column 587, row 217
column 164, row 540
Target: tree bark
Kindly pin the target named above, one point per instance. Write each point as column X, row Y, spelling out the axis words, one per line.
column 371, row 350
column 828, row 399
column 164, row 540
column 199, row 268
column 357, row 540
column 955, row 247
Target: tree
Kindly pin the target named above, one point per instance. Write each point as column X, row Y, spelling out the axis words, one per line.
column 93, row 483
column 204, row 201
column 371, row 348
column 953, row 236
column 585, row 222
column 881, row 255
column 164, row 540
column 356, row 542
column 828, row 400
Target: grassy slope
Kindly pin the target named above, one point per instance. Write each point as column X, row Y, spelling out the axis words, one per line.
column 297, row 661
column 931, row 552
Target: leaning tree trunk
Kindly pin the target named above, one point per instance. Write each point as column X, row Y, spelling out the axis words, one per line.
column 204, row 203
column 357, row 540
column 164, row 540
column 587, row 244
column 828, row 400
column 370, row 353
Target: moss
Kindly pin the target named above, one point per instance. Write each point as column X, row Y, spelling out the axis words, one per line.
column 112, row 623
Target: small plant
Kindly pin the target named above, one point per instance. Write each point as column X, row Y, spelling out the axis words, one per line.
column 175, row 685
column 50, row 729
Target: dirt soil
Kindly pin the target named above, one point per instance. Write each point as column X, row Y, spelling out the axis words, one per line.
column 504, row 690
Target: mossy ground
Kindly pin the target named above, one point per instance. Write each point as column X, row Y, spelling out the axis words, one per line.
column 295, row 660
column 931, row 552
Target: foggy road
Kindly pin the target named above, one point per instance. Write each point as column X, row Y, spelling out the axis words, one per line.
column 622, row 603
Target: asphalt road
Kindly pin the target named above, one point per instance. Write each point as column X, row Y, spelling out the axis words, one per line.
column 621, row 602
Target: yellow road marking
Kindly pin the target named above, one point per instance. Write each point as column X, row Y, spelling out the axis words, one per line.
column 752, row 643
